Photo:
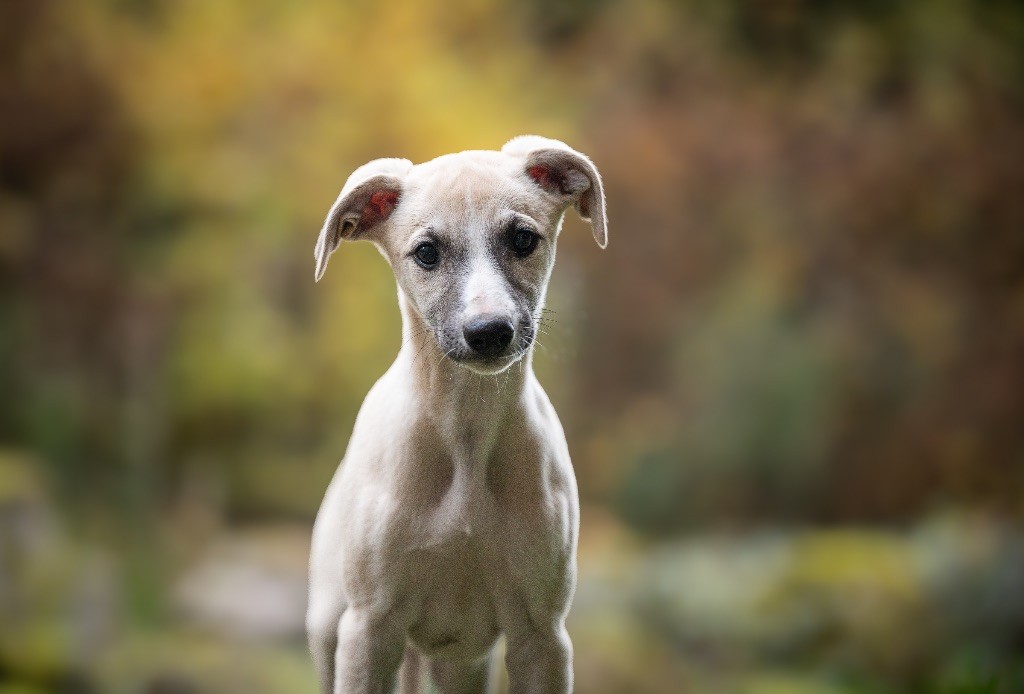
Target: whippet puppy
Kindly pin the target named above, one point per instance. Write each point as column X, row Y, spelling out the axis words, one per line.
column 454, row 515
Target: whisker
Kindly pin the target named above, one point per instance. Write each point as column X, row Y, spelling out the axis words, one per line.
column 423, row 345
column 414, row 334
column 445, row 355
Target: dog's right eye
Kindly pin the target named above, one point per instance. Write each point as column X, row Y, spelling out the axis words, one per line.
column 426, row 255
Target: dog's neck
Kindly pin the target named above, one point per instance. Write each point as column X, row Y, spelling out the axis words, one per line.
column 469, row 408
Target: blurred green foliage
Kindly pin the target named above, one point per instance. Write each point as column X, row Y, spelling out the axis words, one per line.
column 811, row 314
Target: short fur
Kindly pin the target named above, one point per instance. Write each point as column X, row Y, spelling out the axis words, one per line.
column 454, row 515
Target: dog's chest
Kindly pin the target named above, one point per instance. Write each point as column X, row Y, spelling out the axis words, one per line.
column 454, row 583
column 459, row 568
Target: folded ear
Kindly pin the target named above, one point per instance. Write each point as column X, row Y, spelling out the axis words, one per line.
column 367, row 199
column 561, row 170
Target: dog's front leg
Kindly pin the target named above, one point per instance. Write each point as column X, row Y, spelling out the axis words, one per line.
column 539, row 661
column 369, row 652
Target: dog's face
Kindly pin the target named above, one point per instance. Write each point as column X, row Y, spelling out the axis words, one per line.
column 471, row 238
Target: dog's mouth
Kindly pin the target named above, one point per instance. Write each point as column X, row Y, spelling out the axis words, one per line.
column 490, row 365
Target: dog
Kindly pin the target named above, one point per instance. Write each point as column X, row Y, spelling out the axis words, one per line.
column 454, row 515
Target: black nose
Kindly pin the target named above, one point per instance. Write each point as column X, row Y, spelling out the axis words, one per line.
column 488, row 336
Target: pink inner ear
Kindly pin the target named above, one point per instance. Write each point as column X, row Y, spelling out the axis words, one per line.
column 542, row 175
column 381, row 203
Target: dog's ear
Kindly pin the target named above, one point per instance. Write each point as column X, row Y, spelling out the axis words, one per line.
column 561, row 170
column 367, row 199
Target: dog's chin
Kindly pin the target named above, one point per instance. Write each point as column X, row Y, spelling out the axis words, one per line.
column 489, row 367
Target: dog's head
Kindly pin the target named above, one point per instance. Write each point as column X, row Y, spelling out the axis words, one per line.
column 471, row 238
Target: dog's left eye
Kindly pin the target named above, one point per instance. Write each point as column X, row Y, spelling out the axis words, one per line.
column 524, row 241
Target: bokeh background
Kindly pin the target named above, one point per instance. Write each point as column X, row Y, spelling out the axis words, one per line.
column 793, row 385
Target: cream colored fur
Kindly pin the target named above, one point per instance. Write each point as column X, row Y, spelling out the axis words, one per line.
column 453, row 517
